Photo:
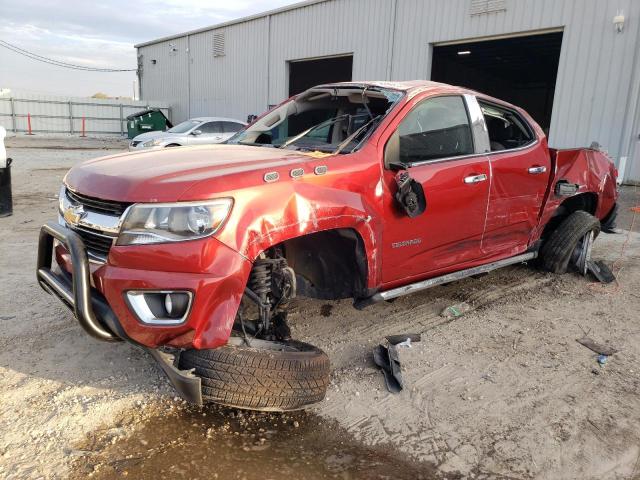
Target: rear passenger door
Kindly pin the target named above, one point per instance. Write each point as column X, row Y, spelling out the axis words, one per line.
column 229, row 129
column 435, row 145
column 520, row 165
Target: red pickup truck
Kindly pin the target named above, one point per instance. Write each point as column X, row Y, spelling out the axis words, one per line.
column 365, row 190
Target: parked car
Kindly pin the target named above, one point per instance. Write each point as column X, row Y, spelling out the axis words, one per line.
column 196, row 131
column 367, row 191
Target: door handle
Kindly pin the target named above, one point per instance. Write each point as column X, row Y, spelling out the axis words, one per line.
column 537, row 170
column 475, row 179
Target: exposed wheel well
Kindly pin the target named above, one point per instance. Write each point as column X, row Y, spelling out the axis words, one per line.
column 173, row 145
column 329, row 265
column 587, row 202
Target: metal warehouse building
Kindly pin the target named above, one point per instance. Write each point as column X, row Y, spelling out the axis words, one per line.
column 573, row 64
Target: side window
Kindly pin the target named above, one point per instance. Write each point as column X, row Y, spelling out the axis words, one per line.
column 436, row 128
column 210, row 127
column 232, row 127
column 507, row 129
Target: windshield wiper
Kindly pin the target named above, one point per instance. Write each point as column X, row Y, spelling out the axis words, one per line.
column 315, row 127
column 354, row 135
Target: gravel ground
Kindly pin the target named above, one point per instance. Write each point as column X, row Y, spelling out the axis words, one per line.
column 503, row 392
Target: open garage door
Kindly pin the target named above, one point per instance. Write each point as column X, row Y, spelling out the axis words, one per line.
column 304, row 74
column 521, row 70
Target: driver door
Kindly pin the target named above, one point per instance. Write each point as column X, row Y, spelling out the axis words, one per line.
column 434, row 143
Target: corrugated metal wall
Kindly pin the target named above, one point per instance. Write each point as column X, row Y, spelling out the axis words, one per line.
column 167, row 79
column 359, row 27
column 598, row 81
column 235, row 84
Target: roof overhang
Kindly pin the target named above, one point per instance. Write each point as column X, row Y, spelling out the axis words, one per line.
column 218, row 26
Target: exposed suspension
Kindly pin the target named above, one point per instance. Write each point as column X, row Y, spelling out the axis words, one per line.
column 271, row 285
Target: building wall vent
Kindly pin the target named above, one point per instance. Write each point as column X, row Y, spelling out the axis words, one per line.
column 480, row 7
column 218, row 44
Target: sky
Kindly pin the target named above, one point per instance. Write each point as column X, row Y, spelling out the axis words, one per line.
column 100, row 34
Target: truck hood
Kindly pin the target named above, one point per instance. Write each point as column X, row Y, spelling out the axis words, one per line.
column 166, row 175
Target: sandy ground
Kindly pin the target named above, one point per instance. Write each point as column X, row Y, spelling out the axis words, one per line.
column 502, row 392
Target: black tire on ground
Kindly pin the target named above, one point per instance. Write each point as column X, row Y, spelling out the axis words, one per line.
column 268, row 376
column 558, row 249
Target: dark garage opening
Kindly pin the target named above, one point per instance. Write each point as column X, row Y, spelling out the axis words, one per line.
column 520, row 70
column 305, row 74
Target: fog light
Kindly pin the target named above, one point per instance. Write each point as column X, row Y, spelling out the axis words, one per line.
column 160, row 308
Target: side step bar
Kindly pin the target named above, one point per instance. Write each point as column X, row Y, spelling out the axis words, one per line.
column 449, row 277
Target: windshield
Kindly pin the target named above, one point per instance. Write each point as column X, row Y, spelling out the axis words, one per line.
column 184, row 127
column 327, row 119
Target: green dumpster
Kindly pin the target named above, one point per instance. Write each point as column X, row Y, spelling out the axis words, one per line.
column 147, row 121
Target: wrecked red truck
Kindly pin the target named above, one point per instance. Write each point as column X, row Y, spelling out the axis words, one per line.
column 366, row 190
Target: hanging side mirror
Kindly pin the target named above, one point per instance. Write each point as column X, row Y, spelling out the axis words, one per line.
column 410, row 197
column 196, row 133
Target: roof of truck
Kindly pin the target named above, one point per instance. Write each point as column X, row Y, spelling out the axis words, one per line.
column 405, row 86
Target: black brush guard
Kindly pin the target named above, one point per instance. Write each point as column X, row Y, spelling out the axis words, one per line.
column 91, row 309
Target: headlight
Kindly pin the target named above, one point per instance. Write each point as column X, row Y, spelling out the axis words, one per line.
column 152, row 143
column 173, row 222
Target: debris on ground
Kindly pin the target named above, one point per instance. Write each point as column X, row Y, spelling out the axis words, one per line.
column 598, row 348
column 602, row 360
column 387, row 359
column 601, row 271
column 456, row 311
column 407, row 338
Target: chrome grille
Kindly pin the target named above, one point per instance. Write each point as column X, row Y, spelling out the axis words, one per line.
column 108, row 207
column 98, row 228
column 97, row 243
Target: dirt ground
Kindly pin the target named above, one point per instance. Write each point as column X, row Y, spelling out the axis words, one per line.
column 503, row 392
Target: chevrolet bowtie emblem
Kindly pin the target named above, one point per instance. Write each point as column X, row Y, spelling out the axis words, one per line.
column 74, row 214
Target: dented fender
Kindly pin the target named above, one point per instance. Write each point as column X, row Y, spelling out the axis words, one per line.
column 327, row 192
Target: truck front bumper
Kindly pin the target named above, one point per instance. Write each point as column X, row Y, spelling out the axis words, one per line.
column 91, row 308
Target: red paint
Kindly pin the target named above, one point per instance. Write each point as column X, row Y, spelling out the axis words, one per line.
column 83, row 127
column 464, row 225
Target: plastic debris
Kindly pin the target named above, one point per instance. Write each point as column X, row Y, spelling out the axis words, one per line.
column 456, row 311
column 602, row 360
column 398, row 339
column 387, row 359
column 601, row 271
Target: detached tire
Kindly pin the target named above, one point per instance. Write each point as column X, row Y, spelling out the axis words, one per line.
column 558, row 250
column 268, row 376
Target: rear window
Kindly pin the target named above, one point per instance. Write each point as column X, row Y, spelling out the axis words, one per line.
column 232, row 127
column 507, row 129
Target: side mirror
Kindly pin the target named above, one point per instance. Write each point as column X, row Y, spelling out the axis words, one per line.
column 195, row 133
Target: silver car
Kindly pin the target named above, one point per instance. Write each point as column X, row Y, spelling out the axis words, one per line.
column 196, row 131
